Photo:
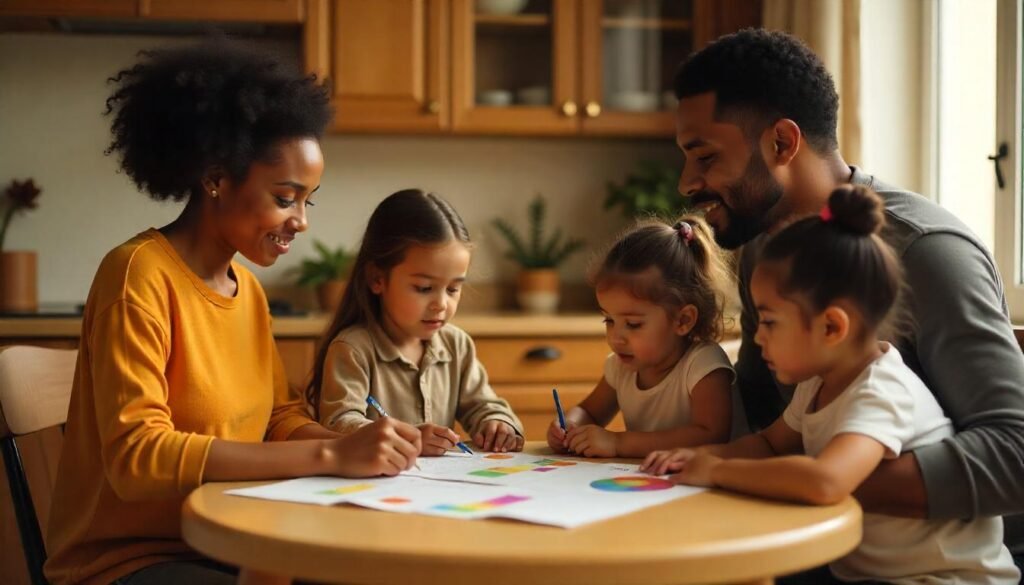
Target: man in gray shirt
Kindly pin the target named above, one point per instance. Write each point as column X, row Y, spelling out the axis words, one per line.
column 757, row 126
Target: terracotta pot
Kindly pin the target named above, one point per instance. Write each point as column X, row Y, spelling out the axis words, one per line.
column 537, row 290
column 18, row 282
column 329, row 294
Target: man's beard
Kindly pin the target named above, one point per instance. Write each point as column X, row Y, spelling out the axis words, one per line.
column 753, row 196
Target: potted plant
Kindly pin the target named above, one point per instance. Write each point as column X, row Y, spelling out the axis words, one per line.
column 328, row 272
column 651, row 191
column 18, row 279
column 537, row 290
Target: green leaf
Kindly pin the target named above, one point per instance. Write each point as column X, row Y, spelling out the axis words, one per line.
column 541, row 252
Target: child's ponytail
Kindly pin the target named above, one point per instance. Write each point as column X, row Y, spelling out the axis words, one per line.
column 839, row 254
column 672, row 266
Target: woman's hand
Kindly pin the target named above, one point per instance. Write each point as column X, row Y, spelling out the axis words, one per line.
column 667, row 460
column 437, row 439
column 592, row 441
column 498, row 436
column 385, row 447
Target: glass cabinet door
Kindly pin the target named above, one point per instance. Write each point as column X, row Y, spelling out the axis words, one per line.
column 631, row 50
column 515, row 65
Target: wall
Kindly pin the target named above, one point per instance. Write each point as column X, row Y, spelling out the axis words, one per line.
column 52, row 92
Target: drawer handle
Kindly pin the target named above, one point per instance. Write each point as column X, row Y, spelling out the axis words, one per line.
column 544, row 353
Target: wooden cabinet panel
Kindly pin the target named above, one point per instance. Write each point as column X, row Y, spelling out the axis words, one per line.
column 557, row 118
column 70, row 8
column 388, row 66
column 552, row 361
column 298, row 356
column 534, row 405
column 224, row 10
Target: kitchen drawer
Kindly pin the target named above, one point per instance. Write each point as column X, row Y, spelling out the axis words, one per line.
column 551, row 361
column 534, row 405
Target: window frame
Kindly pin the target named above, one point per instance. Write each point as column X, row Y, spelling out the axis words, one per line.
column 1008, row 204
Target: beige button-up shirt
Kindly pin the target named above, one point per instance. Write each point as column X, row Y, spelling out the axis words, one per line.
column 448, row 384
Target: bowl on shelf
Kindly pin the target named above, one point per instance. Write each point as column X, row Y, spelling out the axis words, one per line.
column 534, row 95
column 494, row 97
column 634, row 101
column 500, row 6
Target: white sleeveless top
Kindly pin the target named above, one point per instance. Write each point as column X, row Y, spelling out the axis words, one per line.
column 666, row 405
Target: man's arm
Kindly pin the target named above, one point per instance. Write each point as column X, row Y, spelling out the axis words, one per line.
column 969, row 359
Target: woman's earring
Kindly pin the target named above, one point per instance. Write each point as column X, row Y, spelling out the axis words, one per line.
column 213, row 193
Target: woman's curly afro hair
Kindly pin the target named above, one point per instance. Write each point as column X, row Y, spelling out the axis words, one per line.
column 181, row 110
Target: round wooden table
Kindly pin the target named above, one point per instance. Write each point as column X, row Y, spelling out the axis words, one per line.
column 713, row 537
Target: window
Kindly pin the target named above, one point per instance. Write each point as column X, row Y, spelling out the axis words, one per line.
column 1009, row 245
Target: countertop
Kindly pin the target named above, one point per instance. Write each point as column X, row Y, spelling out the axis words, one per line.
column 511, row 324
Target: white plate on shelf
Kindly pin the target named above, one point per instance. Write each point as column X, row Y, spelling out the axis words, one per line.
column 494, row 97
column 500, row 6
column 634, row 101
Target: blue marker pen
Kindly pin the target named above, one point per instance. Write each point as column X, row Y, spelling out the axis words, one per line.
column 383, row 413
column 558, row 409
column 376, row 405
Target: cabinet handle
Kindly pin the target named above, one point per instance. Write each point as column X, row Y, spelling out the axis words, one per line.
column 593, row 109
column 434, row 107
column 569, row 109
column 543, row 353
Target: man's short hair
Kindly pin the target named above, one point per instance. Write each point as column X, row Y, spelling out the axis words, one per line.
column 767, row 75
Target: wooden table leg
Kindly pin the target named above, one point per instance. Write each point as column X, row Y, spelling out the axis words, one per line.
column 250, row 577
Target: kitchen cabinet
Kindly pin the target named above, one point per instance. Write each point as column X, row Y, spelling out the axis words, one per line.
column 511, row 67
column 578, row 67
column 523, row 370
column 387, row 65
column 70, row 8
column 268, row 11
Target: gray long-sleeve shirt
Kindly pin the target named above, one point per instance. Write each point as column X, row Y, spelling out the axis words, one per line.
column 960, row 343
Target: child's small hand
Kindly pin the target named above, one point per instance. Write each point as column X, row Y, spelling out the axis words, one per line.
column 697, row 471
column 384, row 447
column 666, row 460
column 592, row 441
column 437, row 439
column 556, row 438
column 498, row 436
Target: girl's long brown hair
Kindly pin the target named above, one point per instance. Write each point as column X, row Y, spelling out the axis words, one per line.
column 407, row 218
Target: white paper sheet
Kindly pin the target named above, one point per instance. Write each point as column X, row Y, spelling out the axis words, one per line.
column 531, row 488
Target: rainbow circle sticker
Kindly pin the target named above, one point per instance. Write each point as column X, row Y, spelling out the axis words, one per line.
column 632, row 483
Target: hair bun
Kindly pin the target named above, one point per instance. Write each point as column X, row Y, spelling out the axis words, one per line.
column 856, row 209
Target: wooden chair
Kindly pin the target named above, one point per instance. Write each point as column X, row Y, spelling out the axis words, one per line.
column 35, row 389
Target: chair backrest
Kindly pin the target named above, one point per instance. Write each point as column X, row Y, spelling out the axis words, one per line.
column 35, row 390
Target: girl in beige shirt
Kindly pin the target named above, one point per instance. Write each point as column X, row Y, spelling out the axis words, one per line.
column 391, row 338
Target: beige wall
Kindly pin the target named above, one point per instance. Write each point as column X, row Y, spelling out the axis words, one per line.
column 52, row 92
column 893, row 92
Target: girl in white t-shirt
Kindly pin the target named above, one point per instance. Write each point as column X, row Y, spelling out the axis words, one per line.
column 659, row 290
column 822, row 288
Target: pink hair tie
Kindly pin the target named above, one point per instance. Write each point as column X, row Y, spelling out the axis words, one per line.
column 825, row 214
column 685, row 230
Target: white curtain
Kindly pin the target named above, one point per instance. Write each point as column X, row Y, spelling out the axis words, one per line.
column 831, row 28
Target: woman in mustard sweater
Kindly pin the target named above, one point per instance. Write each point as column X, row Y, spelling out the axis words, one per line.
column 179, row 381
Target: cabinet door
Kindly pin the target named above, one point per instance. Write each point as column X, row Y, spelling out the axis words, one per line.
column 631, row 49
column 388, row 65
column 70, row 8
column 224, row 10
column 514, row 66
